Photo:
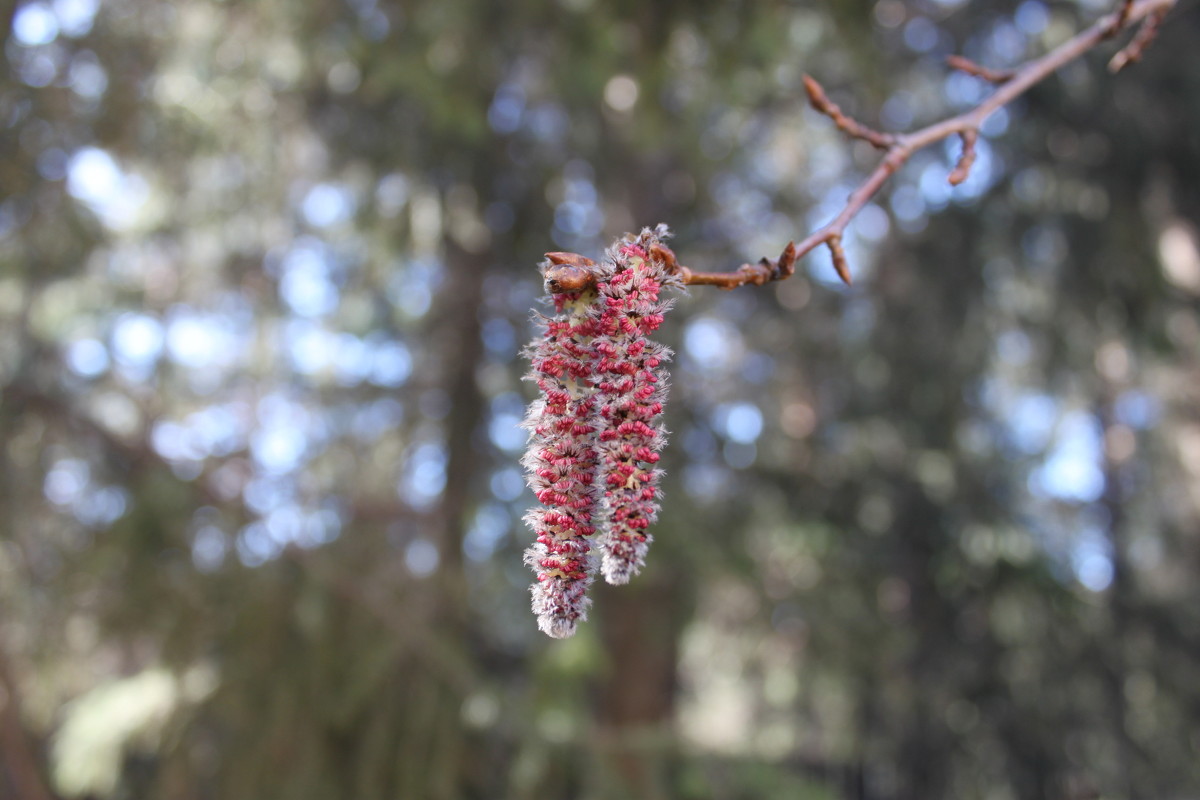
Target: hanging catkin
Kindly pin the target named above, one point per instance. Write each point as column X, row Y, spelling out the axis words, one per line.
column 595, row 430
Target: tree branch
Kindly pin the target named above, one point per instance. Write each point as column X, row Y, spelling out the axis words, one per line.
column 848, row 126
column 1132, row 52
column 971, row 68
column 899, row 147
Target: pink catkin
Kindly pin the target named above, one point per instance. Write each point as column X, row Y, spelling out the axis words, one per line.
column 561, row 465
column 631, row 390
column 595, row 433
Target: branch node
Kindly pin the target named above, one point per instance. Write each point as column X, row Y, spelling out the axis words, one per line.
column 1121, row 20
column 856, row 130
column 996, row 76
column 757, row 274
column 965, row 161
column 665, row 254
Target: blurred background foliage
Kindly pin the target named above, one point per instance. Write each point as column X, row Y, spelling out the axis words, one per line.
column 266, row 268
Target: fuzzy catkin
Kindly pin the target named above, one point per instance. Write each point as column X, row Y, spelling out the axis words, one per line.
column 595, row 432
column 561, row 464
column 631, row 388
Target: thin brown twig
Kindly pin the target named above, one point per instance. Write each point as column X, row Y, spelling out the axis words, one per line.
column 962, row 170
column 765, row 271
column 898, row 148
column 1132, row 52
column 1122, row 18
column 968, row 66
column 851, row 127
